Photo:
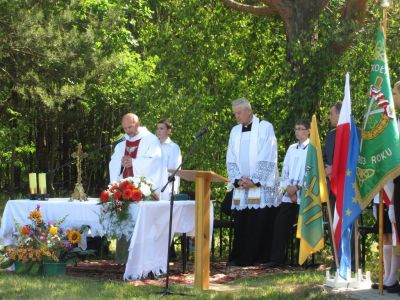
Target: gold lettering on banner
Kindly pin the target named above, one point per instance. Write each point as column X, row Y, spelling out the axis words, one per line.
column 381, row 156
column 236, row 201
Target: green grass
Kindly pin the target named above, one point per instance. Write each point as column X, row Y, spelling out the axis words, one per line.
column 300, row 285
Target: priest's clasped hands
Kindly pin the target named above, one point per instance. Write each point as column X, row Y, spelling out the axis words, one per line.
column 126, row 161
column 246, row 183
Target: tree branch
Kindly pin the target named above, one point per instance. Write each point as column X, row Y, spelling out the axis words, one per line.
column 355, row 10
column 353, row 15
column 252, row 9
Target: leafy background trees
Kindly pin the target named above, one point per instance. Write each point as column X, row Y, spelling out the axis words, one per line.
column 70, row 69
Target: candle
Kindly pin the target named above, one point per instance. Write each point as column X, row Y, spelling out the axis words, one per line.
column 32, row 183
column 42, row 184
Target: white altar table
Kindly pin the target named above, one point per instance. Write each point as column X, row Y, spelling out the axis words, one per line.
column 148, row 225
column 78, row 214
column 148, row 248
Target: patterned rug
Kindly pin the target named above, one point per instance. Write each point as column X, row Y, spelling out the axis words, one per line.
column 220, row 272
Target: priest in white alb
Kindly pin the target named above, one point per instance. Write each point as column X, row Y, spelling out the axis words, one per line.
column 251, row 162
column 138, row 155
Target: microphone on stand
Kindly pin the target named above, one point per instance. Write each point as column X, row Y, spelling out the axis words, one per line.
column 112, row 145
column 122, row 139
column 200, row 133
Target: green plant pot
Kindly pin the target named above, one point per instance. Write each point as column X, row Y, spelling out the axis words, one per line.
column 54, row 268
column 32, row 268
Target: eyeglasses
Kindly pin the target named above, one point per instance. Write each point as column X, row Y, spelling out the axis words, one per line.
column 299, row 129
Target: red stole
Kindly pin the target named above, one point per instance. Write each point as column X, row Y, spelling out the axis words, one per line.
column 131, row 149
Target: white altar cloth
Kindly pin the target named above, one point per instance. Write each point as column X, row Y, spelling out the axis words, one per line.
column 148, row 248
column 78, row 214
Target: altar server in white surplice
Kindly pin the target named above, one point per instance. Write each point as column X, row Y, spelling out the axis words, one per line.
column 171, row 154
column 251, row 162
column 293, row 170
column 139, row 155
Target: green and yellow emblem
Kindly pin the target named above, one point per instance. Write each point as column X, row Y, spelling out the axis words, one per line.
column 379, row 157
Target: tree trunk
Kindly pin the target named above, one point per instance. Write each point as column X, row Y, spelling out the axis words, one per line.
column 12, row 173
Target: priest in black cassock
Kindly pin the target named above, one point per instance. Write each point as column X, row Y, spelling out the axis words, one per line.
column 251, row 162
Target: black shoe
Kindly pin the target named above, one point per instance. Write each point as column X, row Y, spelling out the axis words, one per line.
column 151, row 276
column 395, row 288
column 375, row 286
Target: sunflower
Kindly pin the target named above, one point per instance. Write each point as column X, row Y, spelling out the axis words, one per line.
column 53, row 230
column 74, row 236
column 36, row 216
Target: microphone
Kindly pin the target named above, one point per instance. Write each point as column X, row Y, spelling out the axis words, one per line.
column 200, row 133
column 118, row 141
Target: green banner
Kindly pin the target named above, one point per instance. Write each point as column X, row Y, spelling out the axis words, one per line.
column 310, row 228
column 379, row 158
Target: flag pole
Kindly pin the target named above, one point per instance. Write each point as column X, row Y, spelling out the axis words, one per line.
column 385, row 5
column 356, row 245
column 328, row 202
column 381, row 242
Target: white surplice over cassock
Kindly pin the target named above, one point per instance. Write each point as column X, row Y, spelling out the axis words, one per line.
column 148, row 162
column 172, row 158
column 258, row 150
column 293, row 169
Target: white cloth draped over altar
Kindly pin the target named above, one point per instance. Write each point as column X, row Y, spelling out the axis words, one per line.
column 147, row 225
column 148, row 248
column 77, row 214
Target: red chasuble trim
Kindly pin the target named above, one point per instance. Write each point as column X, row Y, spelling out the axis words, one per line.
column 131, row 149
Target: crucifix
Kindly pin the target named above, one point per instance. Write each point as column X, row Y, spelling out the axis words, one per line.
column 79, row 192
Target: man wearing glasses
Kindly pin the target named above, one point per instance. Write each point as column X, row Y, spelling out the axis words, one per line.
column 292, row 176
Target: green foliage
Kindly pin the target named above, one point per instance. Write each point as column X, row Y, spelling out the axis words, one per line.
column 70, row 69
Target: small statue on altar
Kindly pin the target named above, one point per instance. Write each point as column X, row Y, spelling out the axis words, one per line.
column 79, row 192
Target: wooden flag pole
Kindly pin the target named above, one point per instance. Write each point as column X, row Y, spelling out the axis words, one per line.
column 331, row 231
column 385, row 5
column 381, row 242
column 356, row 246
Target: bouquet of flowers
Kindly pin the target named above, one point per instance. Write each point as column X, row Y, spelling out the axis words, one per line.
column 41, row 241
column 119, row 195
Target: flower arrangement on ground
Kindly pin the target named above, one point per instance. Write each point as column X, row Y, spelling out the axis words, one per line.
column 43, row 241
column 119, row 195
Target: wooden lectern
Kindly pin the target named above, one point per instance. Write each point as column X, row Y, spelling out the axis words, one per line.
column 202, row 181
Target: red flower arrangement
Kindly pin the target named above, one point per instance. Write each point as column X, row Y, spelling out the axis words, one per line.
column 119, row 195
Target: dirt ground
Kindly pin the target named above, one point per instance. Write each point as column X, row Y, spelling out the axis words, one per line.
column 220, row 272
